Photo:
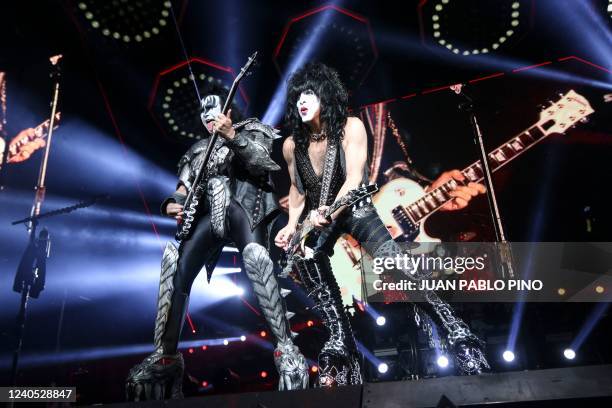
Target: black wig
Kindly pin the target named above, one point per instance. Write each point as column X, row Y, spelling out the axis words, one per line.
column 326, row 84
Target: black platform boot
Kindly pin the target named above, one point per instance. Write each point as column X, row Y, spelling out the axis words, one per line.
column 339, row 359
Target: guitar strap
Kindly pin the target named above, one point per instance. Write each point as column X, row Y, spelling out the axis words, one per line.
column 328, row 170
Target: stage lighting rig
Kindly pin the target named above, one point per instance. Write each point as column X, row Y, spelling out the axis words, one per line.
column 174, row 103
column 347, row 42
column 474, row 27
column 127, row 21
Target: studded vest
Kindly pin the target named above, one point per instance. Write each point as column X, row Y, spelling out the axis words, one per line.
column 312, row 184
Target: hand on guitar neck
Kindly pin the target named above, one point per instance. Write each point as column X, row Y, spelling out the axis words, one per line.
column 462, row 194
column 319, row 219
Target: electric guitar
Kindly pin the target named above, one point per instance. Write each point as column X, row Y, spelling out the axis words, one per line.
column 40, row 132
column 406, row 220
column 194, row 196
column 297, row 243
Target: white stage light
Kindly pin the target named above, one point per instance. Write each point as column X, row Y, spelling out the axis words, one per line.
column 243, row 338
column 442, row 362
column 383, row 368
column 508, row 356
column 569, row 354
column 380, row 320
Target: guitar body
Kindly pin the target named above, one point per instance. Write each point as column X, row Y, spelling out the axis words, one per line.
column 402, row 200
column 401, row 191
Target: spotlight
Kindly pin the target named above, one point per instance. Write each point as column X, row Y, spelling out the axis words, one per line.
column 314, row 369
column 204, row 384
column 204, row 348
column 191, row 351
column 380, row 320
column 508, row 356
column 569, row 354
column 263, row 374
column 383, row 368
column 225, row 342
column 239, row 291
column 243, row 338
column 442, row 361
column 310, row 323
column 263, row 333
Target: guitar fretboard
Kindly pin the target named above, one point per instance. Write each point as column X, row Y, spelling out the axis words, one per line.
column 439, row 196
column 40, row 131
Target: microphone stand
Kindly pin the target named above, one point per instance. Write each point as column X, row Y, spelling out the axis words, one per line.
column 503, row 247
column 30, row 277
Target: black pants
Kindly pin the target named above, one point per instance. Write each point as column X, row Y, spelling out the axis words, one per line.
column 195, row 252
column 364, row 225
column 202, row 244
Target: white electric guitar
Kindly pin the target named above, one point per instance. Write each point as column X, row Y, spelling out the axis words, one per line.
column 403, row 205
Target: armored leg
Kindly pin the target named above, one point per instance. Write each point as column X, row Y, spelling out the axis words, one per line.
column 290, row 363
column 338, row 360
column 160, row 375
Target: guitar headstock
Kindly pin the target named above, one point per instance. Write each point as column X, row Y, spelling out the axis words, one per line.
column 358, row 193
column 564, row 113
column 245, row 70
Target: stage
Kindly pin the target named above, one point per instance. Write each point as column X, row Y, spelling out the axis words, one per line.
column 563, row 387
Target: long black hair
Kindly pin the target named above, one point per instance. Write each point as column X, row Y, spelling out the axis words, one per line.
column 326, row 84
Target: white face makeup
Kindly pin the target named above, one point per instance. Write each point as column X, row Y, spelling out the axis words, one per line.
column 211, row 108
column 308, row 105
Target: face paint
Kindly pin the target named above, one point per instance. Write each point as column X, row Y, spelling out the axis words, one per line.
column 211, row 108
column 308, row 105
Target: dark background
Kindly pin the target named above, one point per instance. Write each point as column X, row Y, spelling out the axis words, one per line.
column 114, row 139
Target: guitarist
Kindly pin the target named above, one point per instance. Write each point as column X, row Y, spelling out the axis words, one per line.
column 326, row 158
column 237, row 207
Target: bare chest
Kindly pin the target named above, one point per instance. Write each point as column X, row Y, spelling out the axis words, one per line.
column 316, row 154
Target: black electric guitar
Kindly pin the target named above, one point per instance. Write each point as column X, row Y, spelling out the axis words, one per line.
column 195, row 194
column 297, row 243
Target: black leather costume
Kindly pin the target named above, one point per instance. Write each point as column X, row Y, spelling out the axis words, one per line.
column 238, row 208
column 338, row 359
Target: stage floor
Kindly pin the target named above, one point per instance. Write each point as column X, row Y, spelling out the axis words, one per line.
column 561, row 387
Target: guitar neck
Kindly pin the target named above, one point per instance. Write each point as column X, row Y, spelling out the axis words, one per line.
column 40, row 131
column 214, row 137
column 433, row 200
